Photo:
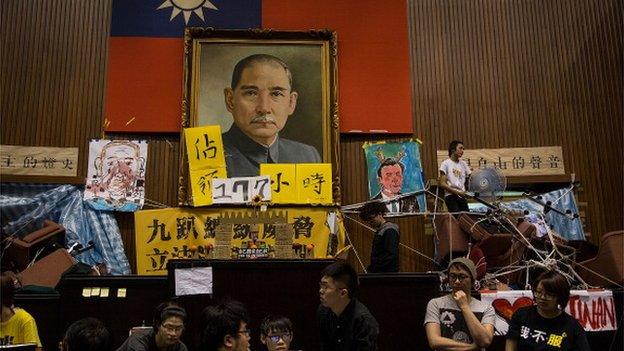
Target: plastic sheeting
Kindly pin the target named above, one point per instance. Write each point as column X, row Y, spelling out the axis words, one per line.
column 24, row 207
column 562, row 199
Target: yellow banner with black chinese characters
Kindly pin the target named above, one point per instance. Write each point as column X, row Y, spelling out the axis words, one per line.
column 302, row 183
column 283, row 182
column 177, row 233
column 204, row 147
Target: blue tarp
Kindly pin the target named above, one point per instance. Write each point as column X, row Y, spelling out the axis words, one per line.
column 24, row 207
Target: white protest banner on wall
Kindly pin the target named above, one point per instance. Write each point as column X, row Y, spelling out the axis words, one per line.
column 518, row 162
column 595, row 310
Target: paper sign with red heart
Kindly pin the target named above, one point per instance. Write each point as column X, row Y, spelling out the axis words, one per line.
column 505, row 309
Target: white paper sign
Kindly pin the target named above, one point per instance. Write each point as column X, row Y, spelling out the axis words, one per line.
column 240, row 190
column 193, row 281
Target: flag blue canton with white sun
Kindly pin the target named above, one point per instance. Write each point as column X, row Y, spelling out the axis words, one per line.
column 167, row 18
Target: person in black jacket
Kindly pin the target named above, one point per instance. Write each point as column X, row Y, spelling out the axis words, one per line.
column 345, row 323
column 385, row 250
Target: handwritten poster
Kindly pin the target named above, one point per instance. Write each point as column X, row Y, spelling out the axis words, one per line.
column 595, row 310
column 314, row 183
column 241, row 190
column 283, row 182
column 204, row 147
column 116, row 175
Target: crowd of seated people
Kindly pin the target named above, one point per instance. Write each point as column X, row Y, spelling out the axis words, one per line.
column 456, row 321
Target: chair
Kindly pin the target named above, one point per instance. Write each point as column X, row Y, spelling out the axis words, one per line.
column 499, row 249
column 451, row 237
column 48, row 270
column 609, row 262
column 21, row 251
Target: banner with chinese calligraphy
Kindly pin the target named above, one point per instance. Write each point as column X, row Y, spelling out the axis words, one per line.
column 314, row 183
column 201, row 184
column 176, row 233
column 524, row 161
column 116, row 175
column 204, row 147
column 206, row 159
column 38, row 161
column 395, row 171
column 302, row 183
column 595, row 310
column 283, row 181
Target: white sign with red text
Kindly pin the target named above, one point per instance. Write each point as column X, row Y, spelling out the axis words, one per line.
column 595, row 310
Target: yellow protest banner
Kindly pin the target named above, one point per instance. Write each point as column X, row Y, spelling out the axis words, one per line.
column 283, row 182
column 204, row 147
column 201, row 184
column 314, row 183
column 177, row 233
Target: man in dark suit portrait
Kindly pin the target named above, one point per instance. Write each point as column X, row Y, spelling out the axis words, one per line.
column 390, row 178
column 260, row 99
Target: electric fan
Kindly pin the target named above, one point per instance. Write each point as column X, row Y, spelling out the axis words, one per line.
column 487, row 184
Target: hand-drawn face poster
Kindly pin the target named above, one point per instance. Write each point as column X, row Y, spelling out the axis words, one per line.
column 395, row 176
column 116, row 175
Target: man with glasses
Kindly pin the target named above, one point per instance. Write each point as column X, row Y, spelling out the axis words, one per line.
column 458, row 321
column 224, row 327
column 345, row 323
column 276, row 333
column 168, row 325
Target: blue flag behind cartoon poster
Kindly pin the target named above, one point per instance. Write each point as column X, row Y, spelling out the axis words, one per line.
column 395, row 175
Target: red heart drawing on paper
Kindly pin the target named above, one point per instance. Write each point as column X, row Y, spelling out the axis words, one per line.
column 505, row 309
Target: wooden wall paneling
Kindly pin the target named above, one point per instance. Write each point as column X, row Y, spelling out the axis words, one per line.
column 53, row 69
column 500, row 74
column 493, row 73
column 355, row 190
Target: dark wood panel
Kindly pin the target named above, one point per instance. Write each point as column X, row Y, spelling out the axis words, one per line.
column 53, row 72
column 515, row 74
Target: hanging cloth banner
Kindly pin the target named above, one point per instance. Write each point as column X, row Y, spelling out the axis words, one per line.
column 176, row 233
column 595, row 310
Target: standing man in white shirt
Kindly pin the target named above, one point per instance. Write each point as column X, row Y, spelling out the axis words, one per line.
column 454, row 174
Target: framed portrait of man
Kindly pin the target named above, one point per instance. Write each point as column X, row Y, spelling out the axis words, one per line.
column 273, row 93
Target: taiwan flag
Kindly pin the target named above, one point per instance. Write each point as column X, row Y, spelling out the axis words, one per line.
column 145, row 67
column 145, row 63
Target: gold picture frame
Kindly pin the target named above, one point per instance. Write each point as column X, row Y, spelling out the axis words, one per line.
column 209, row 59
